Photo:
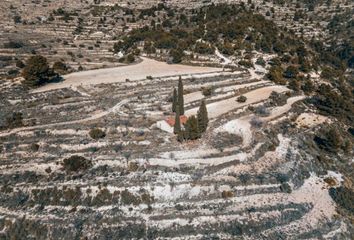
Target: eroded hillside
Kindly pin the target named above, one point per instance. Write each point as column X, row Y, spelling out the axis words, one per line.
column 93, row 155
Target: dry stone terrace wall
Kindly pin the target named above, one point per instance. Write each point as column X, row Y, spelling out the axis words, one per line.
column 143, row 183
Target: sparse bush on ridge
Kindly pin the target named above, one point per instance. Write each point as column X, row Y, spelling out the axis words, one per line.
column 97, row 133
column 76, row 163
column 241, row 99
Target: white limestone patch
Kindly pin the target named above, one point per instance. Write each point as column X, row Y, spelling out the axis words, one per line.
column 309, row 120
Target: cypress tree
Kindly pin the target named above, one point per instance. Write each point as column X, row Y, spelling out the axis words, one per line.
column 174, row 100
column 181, row 136
column 192, row 130
column 202, row 117
column 177, row 126
column 180, row 97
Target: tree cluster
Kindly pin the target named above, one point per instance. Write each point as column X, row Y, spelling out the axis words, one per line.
column 195, row 125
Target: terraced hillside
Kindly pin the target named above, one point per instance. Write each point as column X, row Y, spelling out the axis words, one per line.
column 248, row 178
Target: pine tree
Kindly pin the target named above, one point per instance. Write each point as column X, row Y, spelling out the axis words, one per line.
column 202, row 117
column 192, row 130
column 174, row 100
column 180, row 97
column 177, row 126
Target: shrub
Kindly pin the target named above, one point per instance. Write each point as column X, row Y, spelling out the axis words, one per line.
column 37, row 71
column 291, row 72
column 146, row 198
column 128, row 198
column 262, row 111
column 244, row 178
column 260, row 61
column 20, row 64
column 97, row 133
column 34, row 147
column 282, row 178
column 204, row 48
column 285, row 187
column 227, row 194
column 176, row 56
column 76, row 163
column 277, row 98
column 344, row 197
column 12, row 72
column 275, row 74
column 130, row 58
column 241, row 99
column 13, row 44
column 246, row 63
column 256, row 122
column 15, row 120
column 133, row 166
column 60, row 67
column 17, row 19
column 207, row 91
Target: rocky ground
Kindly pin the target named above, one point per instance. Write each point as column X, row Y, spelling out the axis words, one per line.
column 256, row 173
column 249, row 177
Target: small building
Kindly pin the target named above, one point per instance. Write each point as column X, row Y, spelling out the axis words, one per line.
column 168, row 124
column 171, row 120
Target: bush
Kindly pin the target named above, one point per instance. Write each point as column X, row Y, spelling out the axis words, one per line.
column 176, row 56
column 285, row 187
column 344, row 197
column 227, row 194
column 13, row 44
column 260, row 61
column 34, row 147
column 12, row 72
column 291, row 72
column 20, row 64
column 246, row 63
column 97, row 133
column 262, row 111
column 204, row 48
column 76, row 163
column 275, row 74
column 207, row 91
column 60, row 67
column 37, row 71
column 133, row 166
column 130, row 58
column 241, row 99
column 15, row 120
column 277, row 99
column 128, row 198
column 17, row 19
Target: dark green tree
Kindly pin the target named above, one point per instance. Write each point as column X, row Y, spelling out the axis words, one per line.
column 36, row 71
column 180, row 97
column 174, row 100
column 60, row 67
column 192, row 129
column 275, row 74
column 202, row 117
column 177, row 126
column 291, row 72
column 176, row 55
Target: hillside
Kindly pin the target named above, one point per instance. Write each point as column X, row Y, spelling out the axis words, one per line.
column 176, row 119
